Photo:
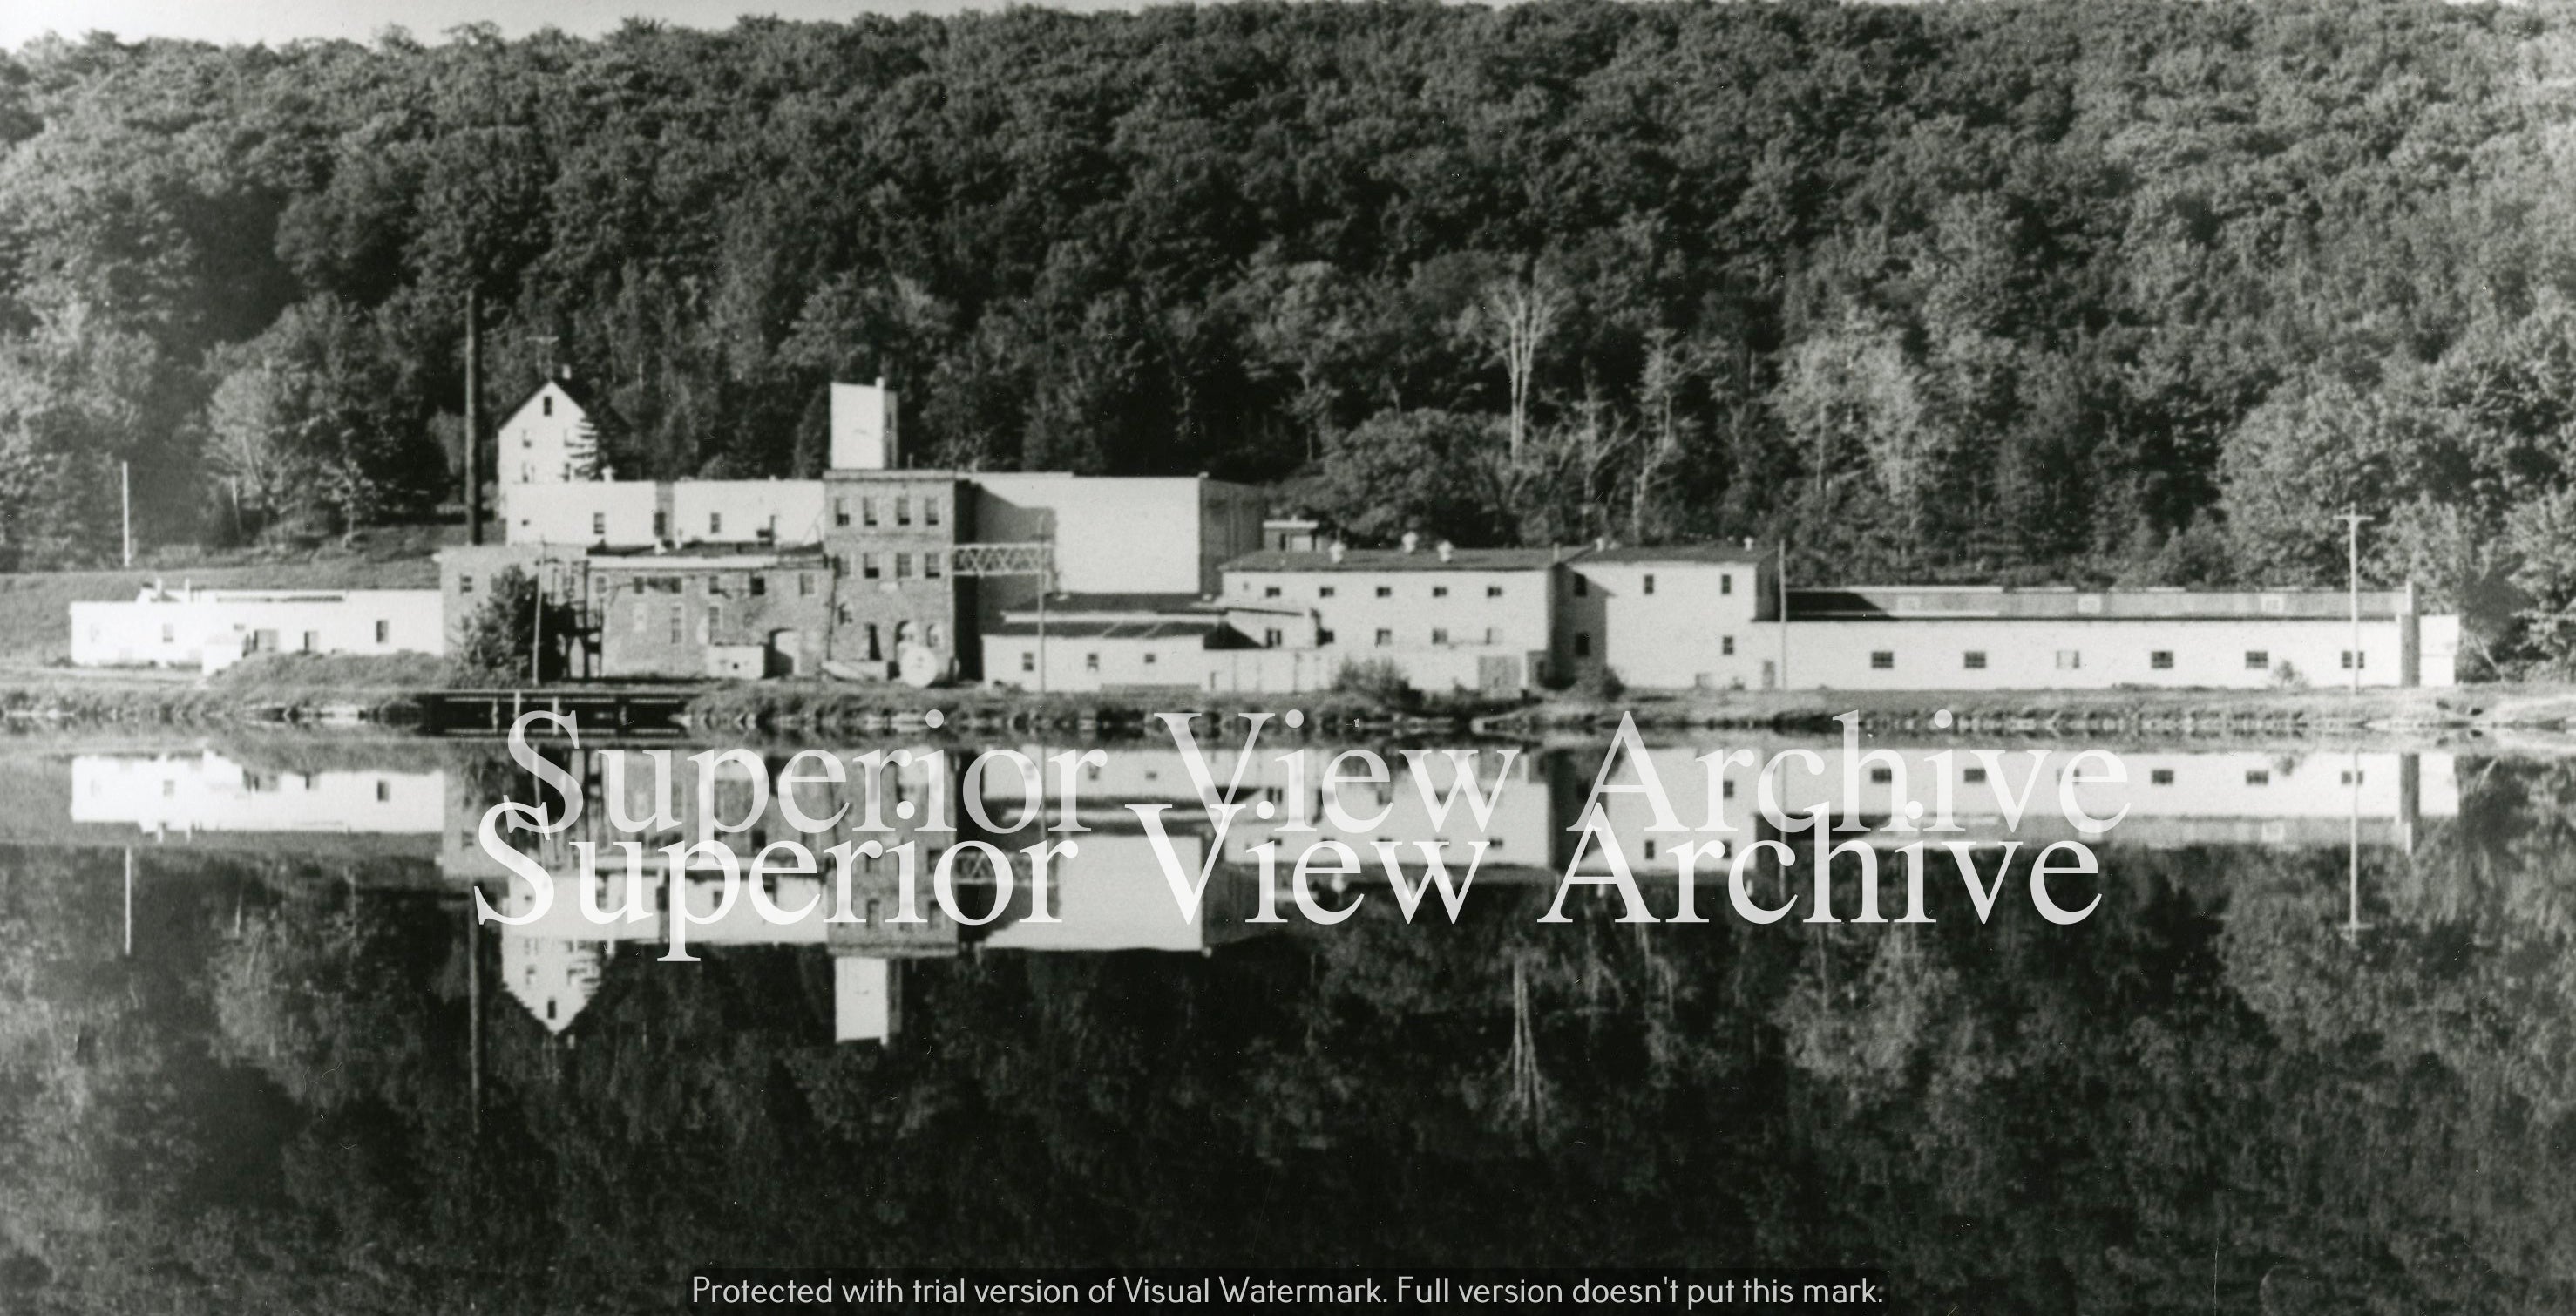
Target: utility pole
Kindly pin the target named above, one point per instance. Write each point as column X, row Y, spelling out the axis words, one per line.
column 473, row 419
column 2352, row 585
column 537, row 634
column 1780, row 579
column 125, row 494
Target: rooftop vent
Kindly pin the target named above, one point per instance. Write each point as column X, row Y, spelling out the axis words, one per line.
column 1412, row 540
column 1447, row 549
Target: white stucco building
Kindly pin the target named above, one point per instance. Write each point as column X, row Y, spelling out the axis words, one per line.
column 210, row 629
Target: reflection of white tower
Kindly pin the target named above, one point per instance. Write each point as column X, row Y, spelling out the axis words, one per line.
column 867, row 1004
column 554, row 977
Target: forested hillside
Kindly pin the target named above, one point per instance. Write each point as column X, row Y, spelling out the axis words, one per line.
column 2105, row 290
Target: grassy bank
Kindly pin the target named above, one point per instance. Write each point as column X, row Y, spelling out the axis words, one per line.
column 2137, row 712
column 35, row 607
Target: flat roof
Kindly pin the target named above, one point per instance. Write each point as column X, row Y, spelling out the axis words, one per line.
column 1934, row 602
column 1396, row 559
column 1165, row 628
column 1646, row 554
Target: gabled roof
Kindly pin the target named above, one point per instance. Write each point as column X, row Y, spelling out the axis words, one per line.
column 592, row 405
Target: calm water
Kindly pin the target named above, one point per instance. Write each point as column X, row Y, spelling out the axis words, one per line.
column 2310, row 1054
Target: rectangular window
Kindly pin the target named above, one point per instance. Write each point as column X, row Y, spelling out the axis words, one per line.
column 1386, row 591
column 2258, row 777
column 2160, row 777
column 1323, row 636
column 170, row 633
column 1650, row 582
column 1324, row 592
column 2348, row 777
column 1881, row 776
column 1439, row 591
column 1149, row 659
column 759, row 583
column 312, row 641
column 1385, row 638
column 2161, row 660
column 868, row 568
column 2258, row 660
column 930, row 565
column 1726, row 645
column 840, row 511
column 2352, row 660
column 1493, row 635
column 1973, row 775
column 545, row 407
column 464, row 584
column 929, row 510
column 599, row 523
column 2069, row 660
column 384, row 791
column 868, row 510
column 1091, row 662
column 1269, row 591
column 715, row 620
column 679, row 619
column 1726, row 582
column 384, row 632
column 715, row 523
column 804, row 584
column 903, row 566
column 1439, row 635
column 1028, row 660
column 1582, row 588
column 661, row 525
column 903, row 509
column 1582, row 643
column 1493, row 591
column 1272, row 638
column 1882, row 660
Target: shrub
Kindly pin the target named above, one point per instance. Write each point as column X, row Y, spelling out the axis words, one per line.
column 1598, row 684
column 1379, row 680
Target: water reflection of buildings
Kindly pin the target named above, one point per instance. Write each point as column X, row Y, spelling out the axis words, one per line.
column 1114, row 896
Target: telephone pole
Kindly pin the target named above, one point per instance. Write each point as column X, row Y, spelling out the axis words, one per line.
column 125, row 496
column 2352, row 587
column 473, row 419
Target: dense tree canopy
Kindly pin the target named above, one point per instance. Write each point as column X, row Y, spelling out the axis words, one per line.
column 2115, row 289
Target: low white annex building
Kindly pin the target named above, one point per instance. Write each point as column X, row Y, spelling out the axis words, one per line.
column 211, row 629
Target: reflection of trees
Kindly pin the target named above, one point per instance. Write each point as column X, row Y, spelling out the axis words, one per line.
column 2204, row 1088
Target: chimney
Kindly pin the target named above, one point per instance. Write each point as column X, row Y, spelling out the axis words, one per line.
column 1446, row 549
column 565, row 371
column 864, row 434
column 1337, row 550
column 1412, row 540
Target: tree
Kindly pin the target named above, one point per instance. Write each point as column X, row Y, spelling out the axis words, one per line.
column 500, row 635
column 1512, row 320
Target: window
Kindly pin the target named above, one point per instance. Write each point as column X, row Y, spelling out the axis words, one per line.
column 1493, row 635
column 929, row 510
column 1324, row 592
column 930, row 565
column 1726, row 788
column 868, row 568
column 661, row 525
column 464, row 584
column 1881, row 776
column 1439, row 635
column 1582, row 587
column 804, row 584
column 170, row 633
column 759, row 584
column 867, row 511
column 903, row 509
column 840, row 511
column 1650, row 849
column 2258, row 777
column 545, row 406
column 1726, row 645
column 1882, row 660
column 1439, row 591
column 903, row 566
column 1272, row 638
column 2069, row 660
column 716, row 587
column 715, row 523
column 2349, row 777
column 1385, row 638
column 1149, row 660
column 2160, row 777
column 1028, row 660
column 1726, row 582
column 1973, row 775
column 384, row 791
column 1269, row 591
column 1493, row 591
column 715, row 619
column 1583, row 644
column 1386, row 591
column 384, row 632
column 2258, row 660
column 2352, row 660
column 679, row 619
column 312, row 641
column 1650, row 582
column 2161, row 660
column 599, row 523
column 1091, row 662
column 1323, row 636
